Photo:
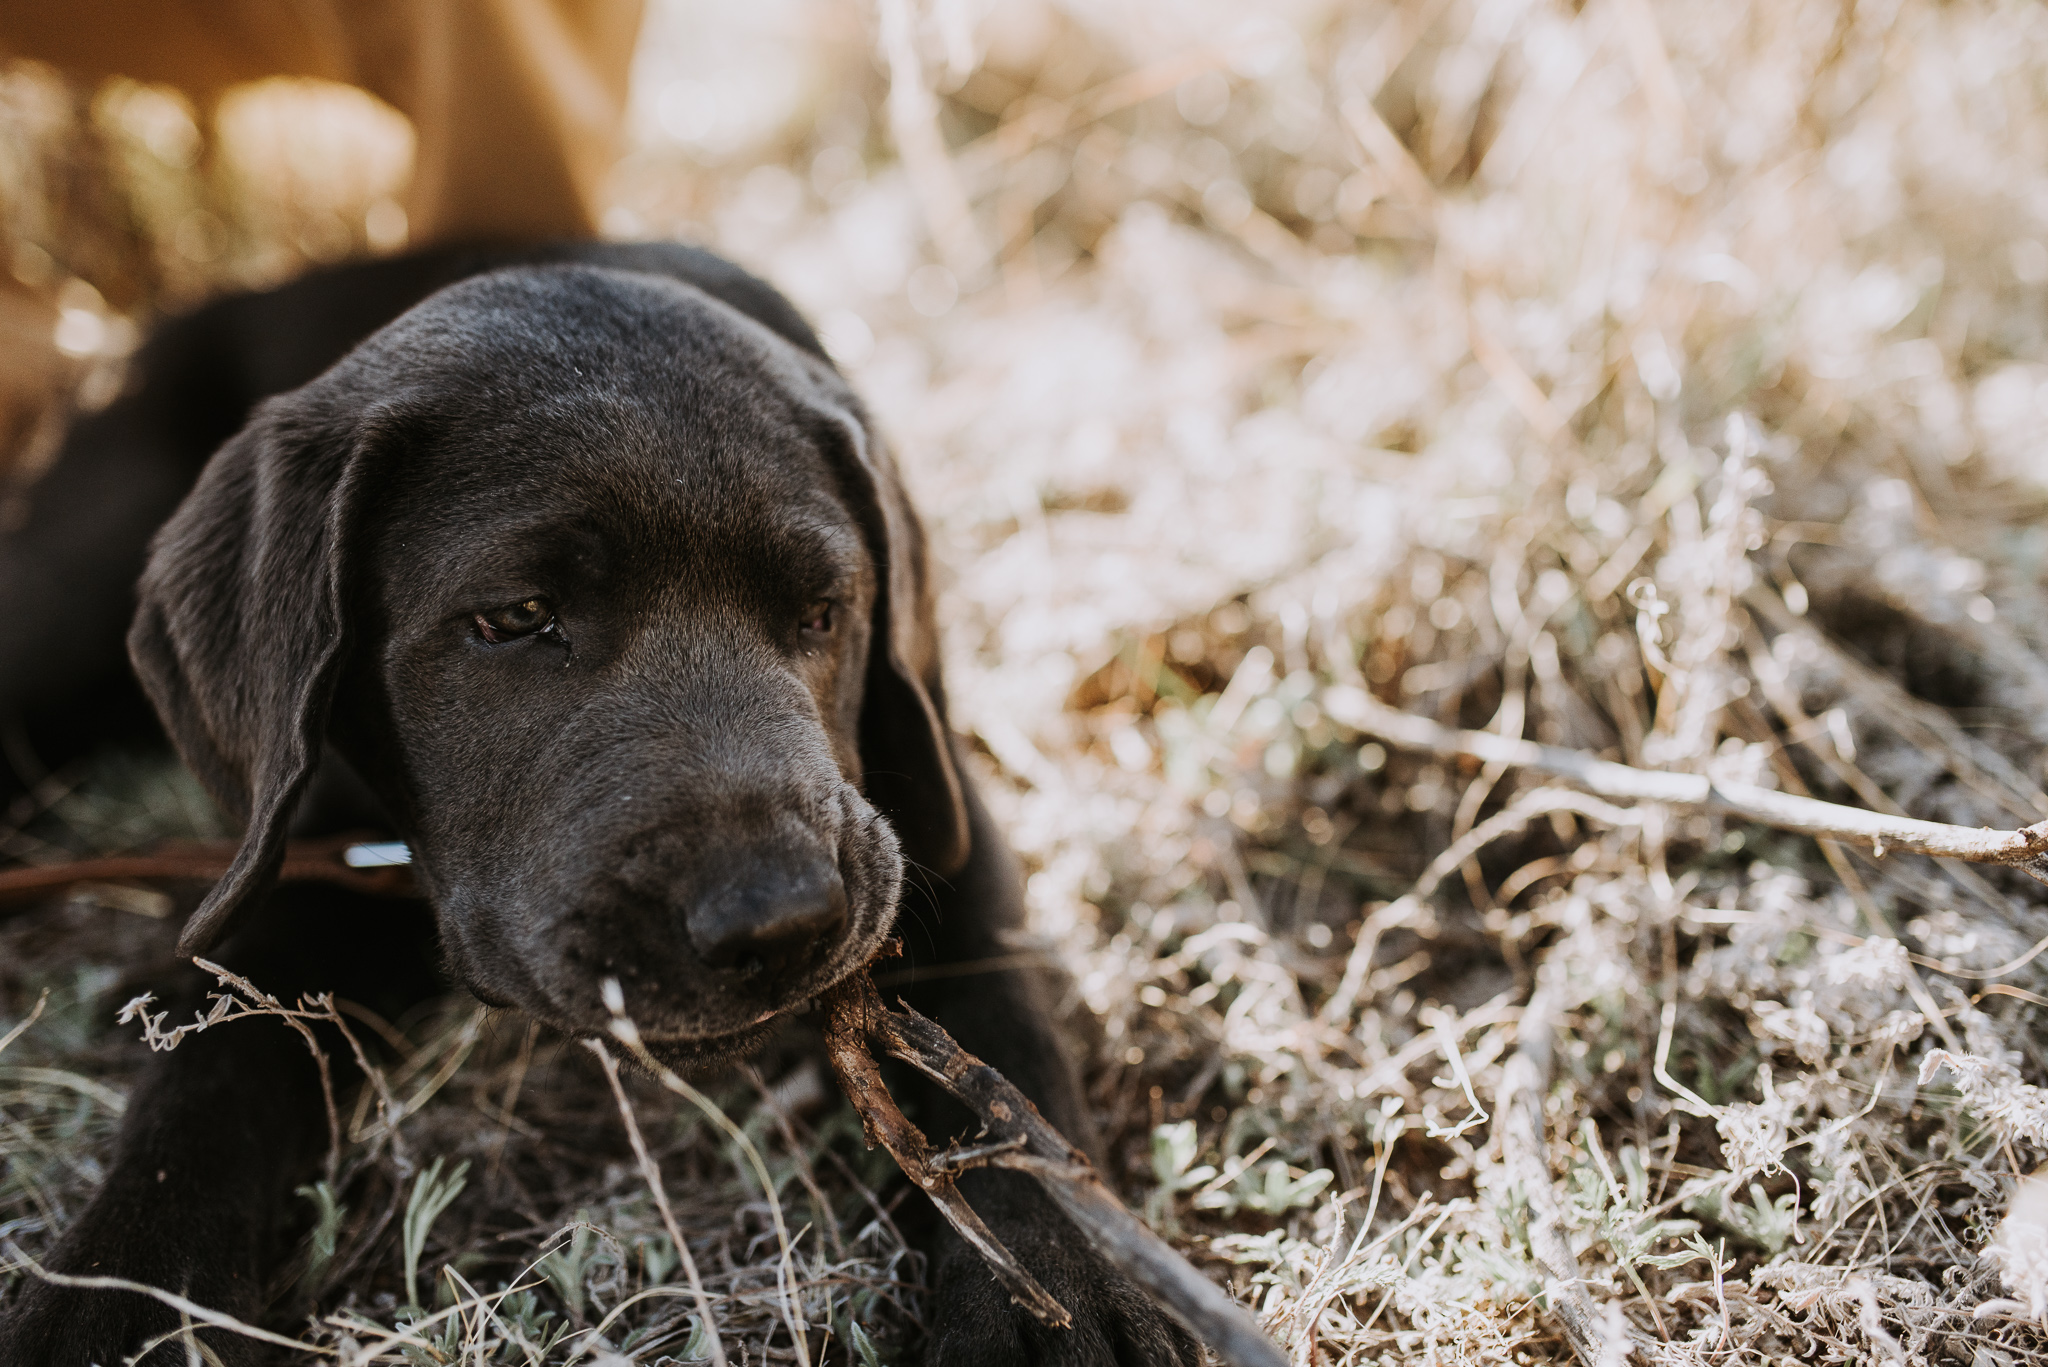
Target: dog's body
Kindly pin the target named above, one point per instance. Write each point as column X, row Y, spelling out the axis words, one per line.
column 590, row 580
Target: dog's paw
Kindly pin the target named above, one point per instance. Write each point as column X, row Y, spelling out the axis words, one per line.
column 51, row 1325
column 974, row 1323
column 55, row 1326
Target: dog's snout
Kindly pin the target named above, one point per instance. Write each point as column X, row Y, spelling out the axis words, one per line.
column 771, row 926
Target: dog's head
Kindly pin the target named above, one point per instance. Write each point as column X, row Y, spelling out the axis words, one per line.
column 611, row 594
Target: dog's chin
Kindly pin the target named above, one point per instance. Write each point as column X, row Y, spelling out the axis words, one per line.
column 668, row 1041
column 693, row 1050
column 699, row 1046
column 684, row 1054
column 677, row 1050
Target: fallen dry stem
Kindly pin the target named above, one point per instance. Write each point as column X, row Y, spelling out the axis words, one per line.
column 218, row 1319
column 2026, row 848
column 628, row 1034
column 652, row 1172
column 1019, row 1138
column 1524, row 1083
column 227, row 1006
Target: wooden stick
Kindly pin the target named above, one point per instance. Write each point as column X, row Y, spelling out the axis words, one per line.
column 852, row 1009
column 2026, row 848
column 1019, row 1138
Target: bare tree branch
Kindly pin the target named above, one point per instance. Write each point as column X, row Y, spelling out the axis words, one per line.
column 852, row 1011
column 2026, row 848
column 1019, row 1138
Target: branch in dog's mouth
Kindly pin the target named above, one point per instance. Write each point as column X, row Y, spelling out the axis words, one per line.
column 1014, row 1135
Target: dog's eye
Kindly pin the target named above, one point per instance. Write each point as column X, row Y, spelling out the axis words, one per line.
column 818, row 618
column 514, row 620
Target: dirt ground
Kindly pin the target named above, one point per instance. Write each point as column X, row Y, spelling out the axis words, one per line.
column 1662, row 381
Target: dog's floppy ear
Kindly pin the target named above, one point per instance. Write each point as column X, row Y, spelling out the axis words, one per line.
column 239, row 634
column 905, row 750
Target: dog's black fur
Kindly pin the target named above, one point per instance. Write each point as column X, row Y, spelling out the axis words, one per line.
column 588, row 576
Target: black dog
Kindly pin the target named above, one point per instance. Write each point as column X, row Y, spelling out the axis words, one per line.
column 589, row 578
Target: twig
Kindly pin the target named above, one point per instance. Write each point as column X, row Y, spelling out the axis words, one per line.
column 2026, row 848
column 1524, row 1082
column 847, row 1028
column 1022, row 1140
column 628, row 1034
column 651, row 1172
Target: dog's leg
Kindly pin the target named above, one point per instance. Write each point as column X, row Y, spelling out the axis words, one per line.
column 216, row 1136
column 1002, row 1015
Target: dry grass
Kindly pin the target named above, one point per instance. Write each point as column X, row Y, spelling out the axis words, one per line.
column 1656, row 379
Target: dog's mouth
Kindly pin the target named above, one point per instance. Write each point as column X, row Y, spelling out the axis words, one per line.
column 668, row 1042
column 684, row 1047
column 682, row 1052
column 662, row 1016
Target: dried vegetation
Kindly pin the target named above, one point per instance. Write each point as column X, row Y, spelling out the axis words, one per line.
column 1654, row 379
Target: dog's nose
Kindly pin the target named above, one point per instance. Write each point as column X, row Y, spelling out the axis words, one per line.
column 770, row 927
